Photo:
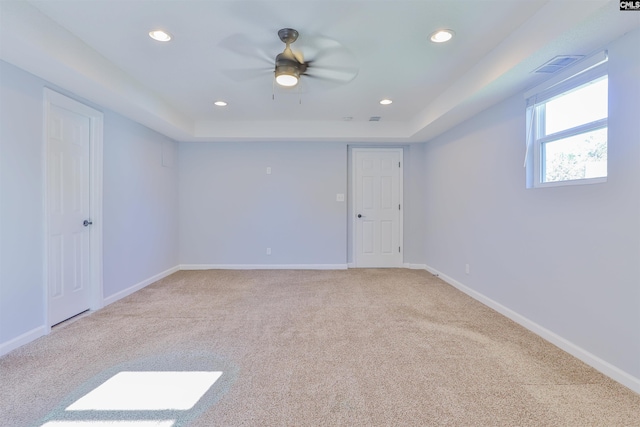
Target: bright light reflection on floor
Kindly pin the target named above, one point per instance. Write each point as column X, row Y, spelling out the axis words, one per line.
column 167, row 423
column 147, row 391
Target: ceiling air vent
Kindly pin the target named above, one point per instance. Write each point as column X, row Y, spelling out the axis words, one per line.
column 557, row 64
column 374, row 118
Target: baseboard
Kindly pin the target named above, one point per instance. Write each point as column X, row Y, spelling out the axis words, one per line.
column 595, row 362
column 415, row 266
column 23, row 339
column 126, row 292
column 263, row 266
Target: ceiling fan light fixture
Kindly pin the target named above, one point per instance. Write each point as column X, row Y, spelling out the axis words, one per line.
column 287, row 75
column 287, row 80
column 160, row 35
column 441, row 36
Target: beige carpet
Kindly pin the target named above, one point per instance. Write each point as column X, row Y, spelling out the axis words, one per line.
column 314, row 348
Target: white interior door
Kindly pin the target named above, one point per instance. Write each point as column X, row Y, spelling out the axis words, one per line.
column 69, row 221
column 377, row 205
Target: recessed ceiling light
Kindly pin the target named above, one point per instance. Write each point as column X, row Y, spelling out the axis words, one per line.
column 220, row 103
column 386, row 102
column 441, row 36
column 159, row 35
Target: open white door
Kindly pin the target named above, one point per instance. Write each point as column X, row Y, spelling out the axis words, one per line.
column 377, row 205
column 73, row 283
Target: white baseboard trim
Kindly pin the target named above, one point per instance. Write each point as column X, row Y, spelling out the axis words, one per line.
column 590, row 359
column 43, row 330
column 263, row 266
column 23, row 339
column 415, row 266
column 126, row 292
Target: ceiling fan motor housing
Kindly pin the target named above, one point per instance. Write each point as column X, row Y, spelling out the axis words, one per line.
column 286, row 63
column 287, row 67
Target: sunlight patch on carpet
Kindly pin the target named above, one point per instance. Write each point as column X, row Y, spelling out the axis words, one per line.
column 160, row 390
column 148, row 391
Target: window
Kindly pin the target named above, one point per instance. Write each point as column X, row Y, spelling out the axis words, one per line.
column 567, row 130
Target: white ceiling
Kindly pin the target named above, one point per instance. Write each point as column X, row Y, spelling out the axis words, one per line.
column 224, row 50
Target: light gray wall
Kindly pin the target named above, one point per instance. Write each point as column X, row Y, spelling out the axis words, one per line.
column 21, row 204
column 231, row 210
column 140, row 204
column 567, row 258
column 414, row 206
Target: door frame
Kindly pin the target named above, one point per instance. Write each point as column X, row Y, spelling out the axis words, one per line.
column 353, row 202
column 96, row 118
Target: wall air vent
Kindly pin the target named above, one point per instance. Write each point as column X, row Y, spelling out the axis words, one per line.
column 557, row 64
column 374, row 118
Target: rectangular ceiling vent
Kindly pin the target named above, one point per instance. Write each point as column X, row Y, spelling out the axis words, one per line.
column 557, row 64
column 374, row 118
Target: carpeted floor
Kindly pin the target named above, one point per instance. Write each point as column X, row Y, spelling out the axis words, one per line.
column 357, row 347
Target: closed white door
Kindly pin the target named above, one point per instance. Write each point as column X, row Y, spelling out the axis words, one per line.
column 377, row 207
column 69, row 220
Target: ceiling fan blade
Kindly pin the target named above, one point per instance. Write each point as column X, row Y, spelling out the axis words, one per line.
column 242, row 45
column 320, row 47
column 338, row 58
column 243, row 75
column 339, row 75
column 299, row 56
column 328, row 60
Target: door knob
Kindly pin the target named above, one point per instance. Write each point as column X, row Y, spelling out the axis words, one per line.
column 359, row 216
column 87, row 223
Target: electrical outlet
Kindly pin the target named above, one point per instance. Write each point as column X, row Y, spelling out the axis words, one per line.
column 339, row 197
column 269, row 170
column 268, row 251
column 466, row 268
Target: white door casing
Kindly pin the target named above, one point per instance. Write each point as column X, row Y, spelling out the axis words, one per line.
column 377, row 207
column 73, row 172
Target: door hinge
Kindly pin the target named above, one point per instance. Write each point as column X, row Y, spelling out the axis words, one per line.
column 398, row 164
column 398, row 249
column 398, row 207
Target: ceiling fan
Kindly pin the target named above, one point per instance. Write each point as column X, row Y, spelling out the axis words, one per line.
column 289, row 66
column 330, row 61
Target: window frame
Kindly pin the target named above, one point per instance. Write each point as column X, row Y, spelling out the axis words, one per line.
column 593, row 71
